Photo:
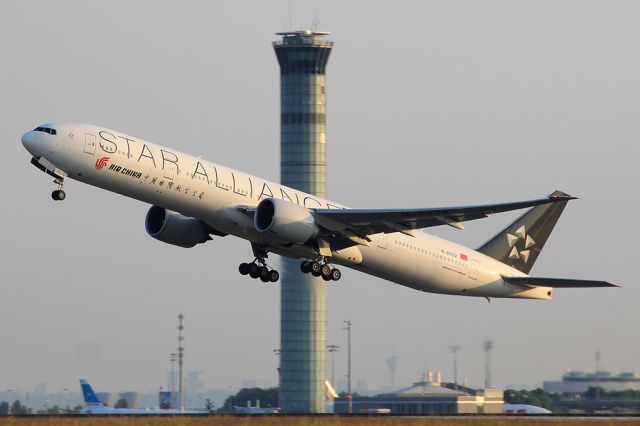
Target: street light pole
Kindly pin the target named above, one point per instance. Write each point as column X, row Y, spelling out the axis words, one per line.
column 332, row 350
column 349, row 395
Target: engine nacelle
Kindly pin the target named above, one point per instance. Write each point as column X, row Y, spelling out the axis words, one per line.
column 173, row 228
column 290, row 222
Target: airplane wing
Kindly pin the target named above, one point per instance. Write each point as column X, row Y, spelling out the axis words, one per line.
column 365, row 222
column 557, row 282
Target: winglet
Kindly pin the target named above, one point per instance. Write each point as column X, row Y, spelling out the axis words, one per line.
column 558, row 195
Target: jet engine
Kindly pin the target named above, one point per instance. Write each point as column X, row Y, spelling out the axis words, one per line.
column 290, row 222
column 173, row 228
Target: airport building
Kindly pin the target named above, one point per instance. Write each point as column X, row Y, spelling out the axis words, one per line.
column 108, row 398
column 132, row 399
column 577, row 382
column 428, row 396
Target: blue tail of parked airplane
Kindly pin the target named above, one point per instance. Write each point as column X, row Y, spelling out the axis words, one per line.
column 90, row 397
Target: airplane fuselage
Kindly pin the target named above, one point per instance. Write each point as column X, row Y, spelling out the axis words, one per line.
column 213, row 193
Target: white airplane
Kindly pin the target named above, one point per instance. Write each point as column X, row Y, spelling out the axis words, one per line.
column 193, row 199
column 523, row 409
column 93, row 405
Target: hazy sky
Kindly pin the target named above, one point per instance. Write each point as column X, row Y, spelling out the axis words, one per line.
column 429, row 104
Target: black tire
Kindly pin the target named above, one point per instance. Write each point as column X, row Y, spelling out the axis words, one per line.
column 304, row 267
column 264, row 272
column 254, row 270
column 325, row 271
column 58, row 195
column 314, row 268
column 274, row 276
column 326, row 277
column 264, row 279
column 336, row 274
column 243, row 268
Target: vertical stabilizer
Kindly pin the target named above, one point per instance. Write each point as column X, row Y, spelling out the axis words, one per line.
column 520, row 243
column 90, row 397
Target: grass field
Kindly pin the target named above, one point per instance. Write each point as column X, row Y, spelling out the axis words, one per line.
column 312, row 421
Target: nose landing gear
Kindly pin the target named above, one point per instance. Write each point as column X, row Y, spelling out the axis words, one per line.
column 59, row 194
column 320, row 268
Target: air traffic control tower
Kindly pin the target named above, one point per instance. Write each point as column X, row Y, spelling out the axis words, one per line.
column 303, row 57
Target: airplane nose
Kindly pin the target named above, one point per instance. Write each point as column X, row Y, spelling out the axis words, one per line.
column 38, row 143
column 28, row 141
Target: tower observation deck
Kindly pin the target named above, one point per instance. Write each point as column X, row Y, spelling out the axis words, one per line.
column 303, row 57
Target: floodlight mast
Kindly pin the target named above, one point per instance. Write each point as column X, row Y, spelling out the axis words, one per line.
column 488, row 347
column 180, row 361
column 454, row 350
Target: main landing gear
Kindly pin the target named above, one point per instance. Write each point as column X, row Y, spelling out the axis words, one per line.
column 59, row 194
column 259, row 269
column 320, row 268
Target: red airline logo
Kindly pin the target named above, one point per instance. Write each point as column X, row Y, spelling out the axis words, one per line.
column 463, row 256
column 102, row 162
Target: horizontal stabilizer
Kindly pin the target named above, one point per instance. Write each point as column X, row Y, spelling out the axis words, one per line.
column 557, row 282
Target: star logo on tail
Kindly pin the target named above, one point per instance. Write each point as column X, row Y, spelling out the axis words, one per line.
column 520, row 243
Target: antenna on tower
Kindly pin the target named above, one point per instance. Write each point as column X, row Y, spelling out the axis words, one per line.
column 180, row 361
column 488, row 346
column 315, row 23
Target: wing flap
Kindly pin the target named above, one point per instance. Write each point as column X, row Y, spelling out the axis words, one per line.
column 557, row 282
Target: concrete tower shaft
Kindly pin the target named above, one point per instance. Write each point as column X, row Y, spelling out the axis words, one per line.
column 303, row 57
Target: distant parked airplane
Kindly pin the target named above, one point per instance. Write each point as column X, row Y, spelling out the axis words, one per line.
column 193, row 199
column 93, row 405
column 523, row 409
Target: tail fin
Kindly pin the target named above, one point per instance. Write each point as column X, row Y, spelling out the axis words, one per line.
column 89, row 395
column 519, row 244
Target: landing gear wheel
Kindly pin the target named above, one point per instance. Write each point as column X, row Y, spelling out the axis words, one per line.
column 274, row 276
column 254, row 270
column 58, row 195
column 243, row 268
column 325, row 271
column 304, row 267
column 326, row 277
column 264, row 273
column 336, row 274
column 315, row 268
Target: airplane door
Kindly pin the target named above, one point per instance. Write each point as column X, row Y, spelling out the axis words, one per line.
column 383, row 241
column 169, row 170
column 473, row 274
column 89, row 144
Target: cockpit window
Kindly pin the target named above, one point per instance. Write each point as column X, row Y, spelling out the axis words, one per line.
column 46, row 130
